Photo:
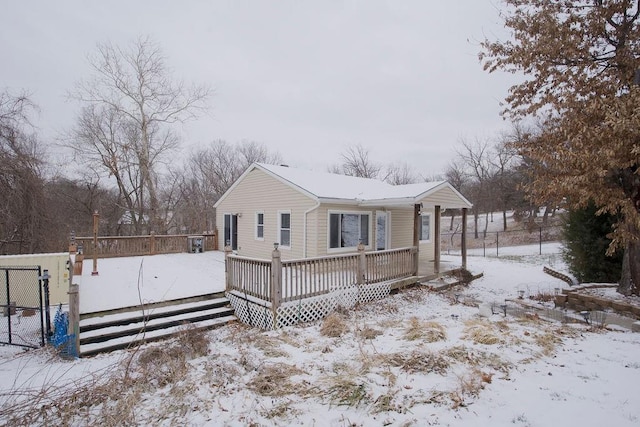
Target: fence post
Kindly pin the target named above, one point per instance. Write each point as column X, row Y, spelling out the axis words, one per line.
column 463, row 242
column 276, row 282
column 227, row 270
column 47, row 315
column 497, row 245
column 152, row 243
column 362, row 265
column 74, row 315
column 540, row 240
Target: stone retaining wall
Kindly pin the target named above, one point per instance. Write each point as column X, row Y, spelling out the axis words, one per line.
column 573, row 299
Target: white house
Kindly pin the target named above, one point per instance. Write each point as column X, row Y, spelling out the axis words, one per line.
column 310, row 214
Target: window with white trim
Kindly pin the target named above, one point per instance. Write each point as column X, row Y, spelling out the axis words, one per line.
column 424, row 227
column 347, row 229
column 259, row 225
column 284, row 229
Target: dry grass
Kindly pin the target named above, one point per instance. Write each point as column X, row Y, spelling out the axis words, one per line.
column 475, row 358
column 193, row 342
column 112, row 397
column 275, row 380
column 161, row 366
column 346, row 391
column 547, row 341
column 334, row 325
column 469, row 386
column 369, row 333
column 481, row 332
column 416, row 361
column 417, row 329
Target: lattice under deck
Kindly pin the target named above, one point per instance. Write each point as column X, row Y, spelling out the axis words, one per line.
column 306, row 309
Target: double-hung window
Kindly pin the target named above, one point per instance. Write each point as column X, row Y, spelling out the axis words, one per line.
column 347, row 229
column 259, row 225
column 284, row 229
column 424, row 227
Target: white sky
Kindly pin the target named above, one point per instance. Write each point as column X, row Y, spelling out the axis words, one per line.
column 306, row 78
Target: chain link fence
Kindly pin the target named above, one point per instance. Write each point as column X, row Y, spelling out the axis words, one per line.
column 500, row 243
column 22, row 298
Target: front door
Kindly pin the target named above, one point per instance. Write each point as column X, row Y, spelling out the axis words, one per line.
column 231, row 231
column 382, row 230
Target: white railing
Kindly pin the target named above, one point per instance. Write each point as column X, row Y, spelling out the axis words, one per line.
column 276, row 281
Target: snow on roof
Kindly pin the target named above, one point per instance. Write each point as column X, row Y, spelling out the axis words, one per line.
column 325, row 185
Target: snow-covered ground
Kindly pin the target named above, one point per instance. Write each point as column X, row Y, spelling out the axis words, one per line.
column 384, row 369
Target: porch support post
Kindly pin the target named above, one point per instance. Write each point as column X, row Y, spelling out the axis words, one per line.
column 436, row 240
column 416, row 236
column 463, row 243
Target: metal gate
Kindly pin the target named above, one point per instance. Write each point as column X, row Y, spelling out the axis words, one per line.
column 24, row 301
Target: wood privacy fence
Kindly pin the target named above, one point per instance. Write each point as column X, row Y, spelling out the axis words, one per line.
column 275, row 281
column 121, row 246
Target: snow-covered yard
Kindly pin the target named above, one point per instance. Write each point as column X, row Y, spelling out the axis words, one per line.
column 415, row 358
column 125, row 282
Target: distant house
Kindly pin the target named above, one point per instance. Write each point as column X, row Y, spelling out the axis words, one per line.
column 310, row 214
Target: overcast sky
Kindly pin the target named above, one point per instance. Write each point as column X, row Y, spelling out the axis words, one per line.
column 306, row 78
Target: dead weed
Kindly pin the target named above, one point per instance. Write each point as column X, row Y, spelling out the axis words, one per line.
column 427, row 331
column 334, row 325
column 416, row 361
column 275, row 380
column 481, row 332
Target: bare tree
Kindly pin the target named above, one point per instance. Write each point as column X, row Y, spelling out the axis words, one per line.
column 208, row 174
column 456, row 176
column 476, row 158
column 400, row 173
column 356, row 162
column 129, row 106
column 22, row 205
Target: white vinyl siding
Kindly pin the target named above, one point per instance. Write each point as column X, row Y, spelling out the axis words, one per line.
column 259, row 191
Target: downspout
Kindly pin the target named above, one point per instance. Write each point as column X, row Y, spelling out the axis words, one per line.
column 304, row 228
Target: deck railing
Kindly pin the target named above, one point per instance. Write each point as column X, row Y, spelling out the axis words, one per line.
column 121, row 246
column 275, row 281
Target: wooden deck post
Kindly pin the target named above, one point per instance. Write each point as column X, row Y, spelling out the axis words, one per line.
column 276, row 282
column 463, row 243
column 436, row 240
column 362, row 265
column 96, row 221
column 227, row 269
column 74, row 315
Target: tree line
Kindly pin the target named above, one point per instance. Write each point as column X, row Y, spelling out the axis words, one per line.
column 125, row 145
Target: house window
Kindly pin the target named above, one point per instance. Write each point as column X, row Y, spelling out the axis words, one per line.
column 259, row 225
column 346, row 230
column 424, row 227
column 284, row 229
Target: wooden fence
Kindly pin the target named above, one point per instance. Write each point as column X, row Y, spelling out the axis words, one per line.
column 122, row 246
column 276, row 281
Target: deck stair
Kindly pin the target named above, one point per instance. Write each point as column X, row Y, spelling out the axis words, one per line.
column 121, row 328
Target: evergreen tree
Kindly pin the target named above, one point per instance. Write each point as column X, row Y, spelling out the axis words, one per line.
column 586, row 244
